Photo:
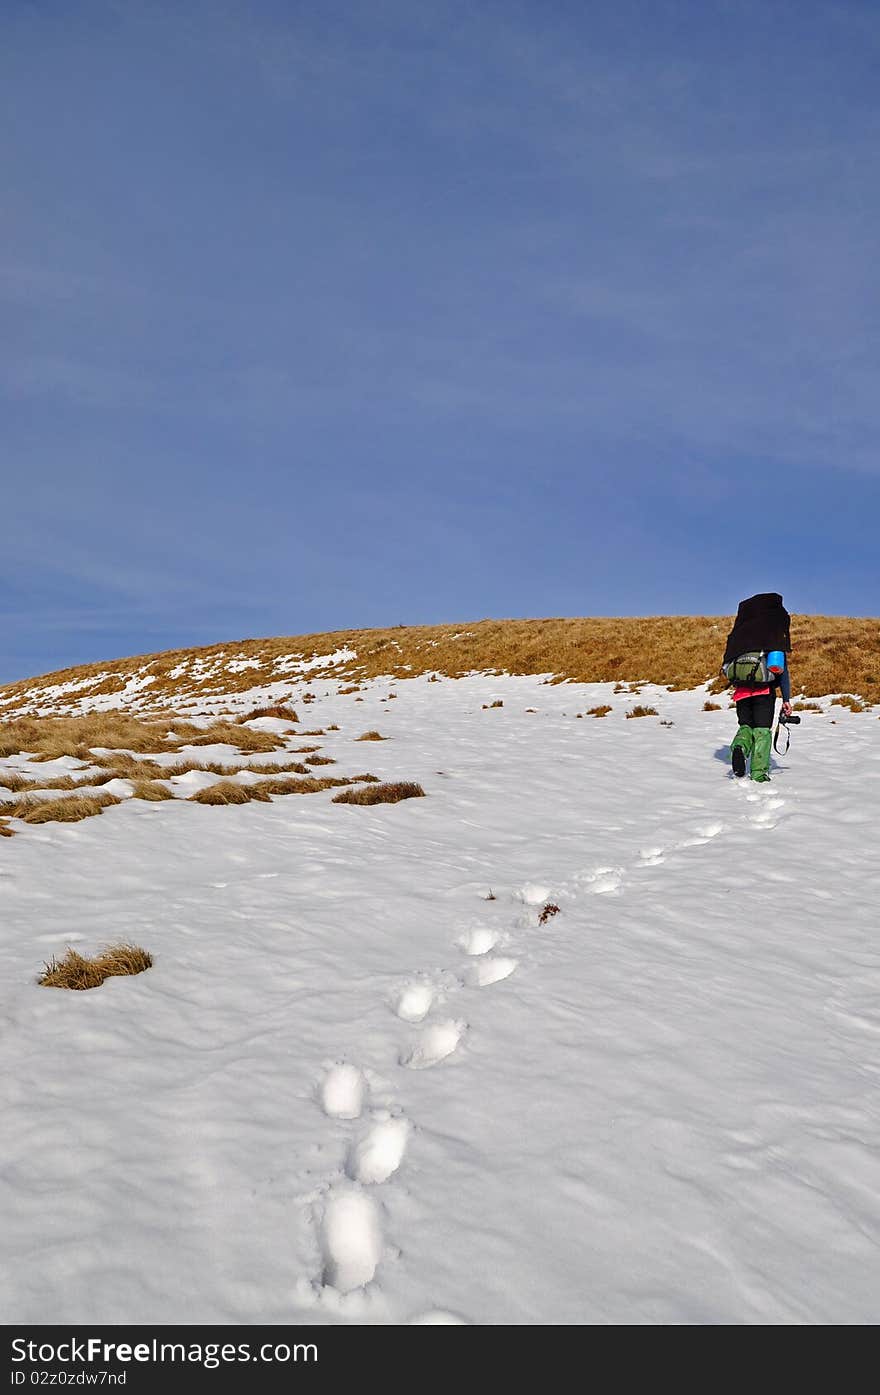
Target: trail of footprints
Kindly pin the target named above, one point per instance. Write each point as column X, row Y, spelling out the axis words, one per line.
column 349, row 1224
column 350, row 1221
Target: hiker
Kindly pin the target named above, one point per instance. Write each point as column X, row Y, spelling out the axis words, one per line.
column 755, row 663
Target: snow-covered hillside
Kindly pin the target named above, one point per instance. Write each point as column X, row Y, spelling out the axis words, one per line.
column 353, row 1088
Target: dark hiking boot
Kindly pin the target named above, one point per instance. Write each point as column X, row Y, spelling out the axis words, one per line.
column 738, row 761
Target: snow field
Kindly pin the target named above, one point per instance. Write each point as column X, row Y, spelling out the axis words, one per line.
column 353, row 1089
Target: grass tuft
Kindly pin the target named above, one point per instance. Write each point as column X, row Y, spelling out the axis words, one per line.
column 640, row 711
column 847, row 700
column 68, row 809
column 601, row 711
column 77, row 972
column 228, row 792
column 151, row 790
column 711, row 706
column 284, row 714
column 371, row 736
column 381, row 793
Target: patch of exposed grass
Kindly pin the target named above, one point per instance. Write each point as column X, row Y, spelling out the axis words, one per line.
column 228, row 792
column 283, row 713
column 319, row 731
column 806, row 707
column 640, row 711
column 67, row 809
column 320, row 760
column 77, row 972
column 120, row 765
column 847, row 700
column 601, row 711
column 312, row 784
column 487, row 706
column 289, row 767
column 711, row 706
column 151, row 790
column 231, row 734
column 19, row 784
column 832, row 654
column 5, row 830
column 371, row 736
column 391, row 793
column 47, row 738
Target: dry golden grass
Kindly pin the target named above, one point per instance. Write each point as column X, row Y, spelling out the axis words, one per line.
column 640, row 711
column 67, row 809
column 50, row 737
column 391, row 793
column 288, row 767
column 488, row 706
column 601, row 711
column 320, row 760
column 806, row 707
column 231, row 734
column 711, row 706
column 847, row 700
column 283, row 713
column 227, row 792
column 151, row 790
column 77, row 972
column 18, row 784
column 5, row 830
column 371, row 736
column 832, row 654
column 119, row 764
column 313, row 784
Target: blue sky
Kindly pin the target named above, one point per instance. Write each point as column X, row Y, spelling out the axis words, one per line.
column 321, row 314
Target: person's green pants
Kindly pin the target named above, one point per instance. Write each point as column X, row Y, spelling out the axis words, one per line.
column 755, row 743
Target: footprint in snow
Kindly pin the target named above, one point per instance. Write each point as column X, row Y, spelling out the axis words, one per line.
column 479, row 940
column 436, row 1043
column 351, row 1240
column 651, row 857
column 533, row 894
column 414, row 1002
column 702, row 835
column 490, row 970
column 606, row 880
column 378, row 1155
column 342, row 1092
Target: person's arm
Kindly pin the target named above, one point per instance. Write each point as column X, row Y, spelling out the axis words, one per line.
column 785, row 690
